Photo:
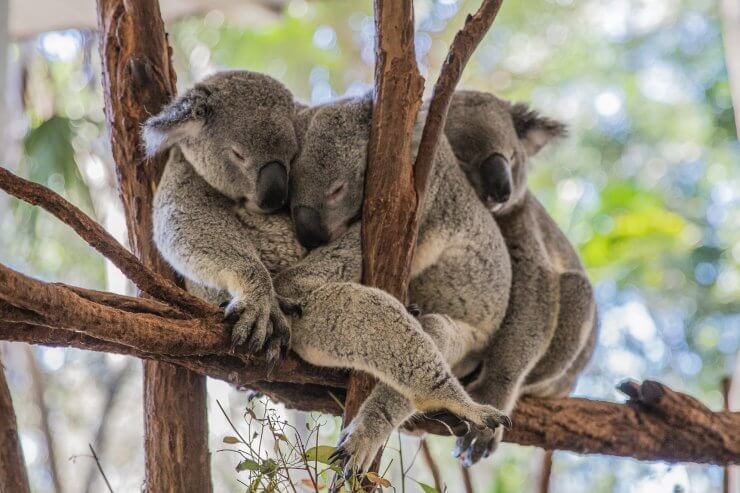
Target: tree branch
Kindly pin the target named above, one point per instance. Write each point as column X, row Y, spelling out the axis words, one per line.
column 13, row 476
column 144, row 278
column 656, row 424
column 463, row 45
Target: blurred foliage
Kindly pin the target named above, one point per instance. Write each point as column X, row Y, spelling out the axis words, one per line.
column 646, row 186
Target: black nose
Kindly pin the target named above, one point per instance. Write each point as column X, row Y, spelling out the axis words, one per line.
column 496, row 178
column 309, row 227
column 272, row 186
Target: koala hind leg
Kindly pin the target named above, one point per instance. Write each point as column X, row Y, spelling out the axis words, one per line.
column 385, row 409
column 348, row 325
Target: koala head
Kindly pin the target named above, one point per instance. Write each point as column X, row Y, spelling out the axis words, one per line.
column 236, row 129
column 328, row 177
column 493, row 139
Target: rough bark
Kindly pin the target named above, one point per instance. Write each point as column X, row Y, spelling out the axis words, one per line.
column 96, row 236
column 138, row 79
column 13, row 476
column 656, row 424
column 394, row 189
column 38, row 384
column 389, row 210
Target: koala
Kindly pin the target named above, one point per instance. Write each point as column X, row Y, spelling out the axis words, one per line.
column 231, row 142
column 460, row 275
column 550, row 327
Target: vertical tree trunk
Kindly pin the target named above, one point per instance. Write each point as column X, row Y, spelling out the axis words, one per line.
column 13, row 477
column 138, row 79
column 389, row 211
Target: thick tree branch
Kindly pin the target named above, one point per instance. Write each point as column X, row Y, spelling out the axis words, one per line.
column 138, row 80
column 65, row 309
column 13, row 476
column 389, row 209
column 656, row 424
column 144, row 278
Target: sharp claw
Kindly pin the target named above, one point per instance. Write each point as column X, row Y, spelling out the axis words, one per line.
column 506, row 421
column 271, row 364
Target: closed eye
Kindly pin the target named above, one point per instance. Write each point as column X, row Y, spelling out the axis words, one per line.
column 336, row 192
column 237, row 155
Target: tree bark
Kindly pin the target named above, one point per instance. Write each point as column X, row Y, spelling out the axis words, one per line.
column 657, row 423
column 13, row 476
column 389, row 209
column 138, row 79
column 394, row 188
column 38, row 384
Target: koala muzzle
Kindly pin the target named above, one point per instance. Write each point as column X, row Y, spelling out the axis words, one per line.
column 309, row 227
column 272, row 186
column 496, row 178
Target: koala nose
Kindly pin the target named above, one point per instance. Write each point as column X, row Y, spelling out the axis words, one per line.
column 272, row 186
column 496, row 178
column 309, row 227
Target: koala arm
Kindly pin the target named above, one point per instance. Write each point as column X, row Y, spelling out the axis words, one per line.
column 187, row 212
column 197, row 232
column 339, row 261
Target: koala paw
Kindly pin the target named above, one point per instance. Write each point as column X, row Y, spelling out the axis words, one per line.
column 484, row 417
column 356, row 449
column 259, row 326
column 477, row 444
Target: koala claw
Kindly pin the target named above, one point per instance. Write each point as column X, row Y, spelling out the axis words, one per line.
column 249, row 325
column 476, row 445
column 356, row 449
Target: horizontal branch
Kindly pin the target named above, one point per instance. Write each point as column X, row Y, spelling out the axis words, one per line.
column 144, row 278
column 656, row 424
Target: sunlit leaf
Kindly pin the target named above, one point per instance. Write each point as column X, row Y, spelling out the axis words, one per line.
column 426, row 488
column 319, row 454
column 231, row 440
column 248, row 465
column 376, row 479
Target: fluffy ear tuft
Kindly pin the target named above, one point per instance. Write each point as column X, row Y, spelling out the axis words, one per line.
column 534, row 130
column 182, row 118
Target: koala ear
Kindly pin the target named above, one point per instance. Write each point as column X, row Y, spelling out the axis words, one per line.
column 534, row 130
column 180, row 119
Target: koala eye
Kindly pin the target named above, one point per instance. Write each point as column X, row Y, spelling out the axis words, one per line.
column 237, row 155
column 336, row 192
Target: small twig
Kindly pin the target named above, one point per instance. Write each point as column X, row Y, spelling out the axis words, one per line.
column 467, row 480
column 725, row 385
column 463, row 45
column 97, row 237
column 100, row 468
column 432, row 464
column 545, row 472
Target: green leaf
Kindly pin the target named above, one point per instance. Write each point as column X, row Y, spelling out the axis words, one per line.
column 319, row 454
column 427, row 489
column 248, row 465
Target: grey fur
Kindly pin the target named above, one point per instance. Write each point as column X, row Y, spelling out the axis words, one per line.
column 460, row 268
column 207, row 232
column 206, row 216
column 549, row 330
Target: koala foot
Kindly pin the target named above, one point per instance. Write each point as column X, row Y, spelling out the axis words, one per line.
column 260, row 328
column 476, row 445
column 484, row 417
column 356, row 449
